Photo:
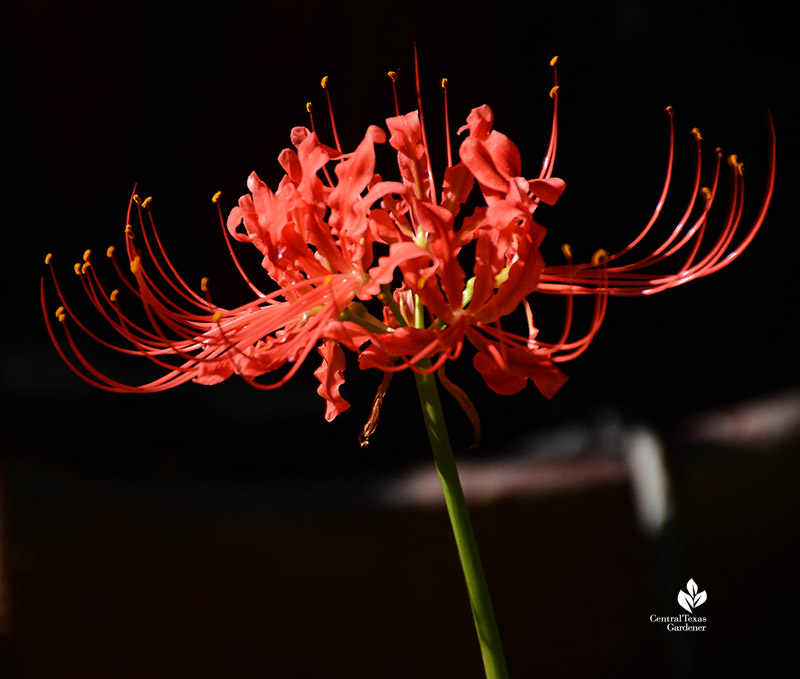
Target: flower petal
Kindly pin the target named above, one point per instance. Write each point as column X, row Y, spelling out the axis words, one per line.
column 492, row 157
column 406, row 137
column 331, row 377
column 456, row 187
column 548, row 190
column 506, row 368
column 213, row 372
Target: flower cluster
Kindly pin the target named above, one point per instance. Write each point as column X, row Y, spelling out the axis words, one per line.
column 390, row 269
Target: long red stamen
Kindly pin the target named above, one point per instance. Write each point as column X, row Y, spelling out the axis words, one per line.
column 231, row 252
column 600, row 306
column 180, row 287
column 762, row 213
column 310, row 111
column 654, row 256
column 393, row 77
column 664, row 191
column 550, row 155
column 447, row 124
column 431, row 185
column 567, row 250
column 324, row 85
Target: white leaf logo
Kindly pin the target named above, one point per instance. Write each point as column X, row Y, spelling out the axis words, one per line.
column 685, row 601
column 693, row 599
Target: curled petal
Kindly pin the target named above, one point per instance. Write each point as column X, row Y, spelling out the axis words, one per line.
column 298, row 135
column 213, row 372
column 479, row 122
column 548, row 190
column 491, row 157
column 399, row 253
column 313, row 156
column 291, row 164
column 456, row 187
column 406, row 138
column 331, row 377
column 348, row 212
column 404, row 342
column 348, row 334
column 498, row 380
column 507, row 367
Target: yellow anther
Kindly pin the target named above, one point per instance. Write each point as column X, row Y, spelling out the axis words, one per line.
column 670, row 111
column 309, row 107
column 554, row 60
column 567, row 250
column 422, row 281
column 204, row 284
column 61, row 318
column 77, row 268
column 48, row 258
column 696, row 134
column 216, row 196
column 444, row 83
column 136, row 264
column 324, row 82
column 733, row 160
column 136, row 198
column 129, row 231
column 110, row 251
column 59, row 311
column 85, row 266
column 217, row 316
column 740, row 167
column 87, row 255
column 718, row 151
column 599, row 256
column 146, row 201
column 327, row 280
column 113, row 295
column 553, row 92
column 706, row 193
column 393, row 76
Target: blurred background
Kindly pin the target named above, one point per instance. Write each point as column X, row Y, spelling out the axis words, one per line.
column 228, row 532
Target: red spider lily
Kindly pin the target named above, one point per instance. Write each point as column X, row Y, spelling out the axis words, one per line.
column 320, row 235
column 508, row 265
column 321, row 268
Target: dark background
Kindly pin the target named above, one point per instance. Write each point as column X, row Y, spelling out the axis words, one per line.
column 213, row 531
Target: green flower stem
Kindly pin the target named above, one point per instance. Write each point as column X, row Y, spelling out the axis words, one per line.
column 482, row 610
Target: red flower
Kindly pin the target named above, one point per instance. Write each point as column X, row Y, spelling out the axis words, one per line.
column 320, row 265
column 508, row 265
column 507, row 260
column 320, row 237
